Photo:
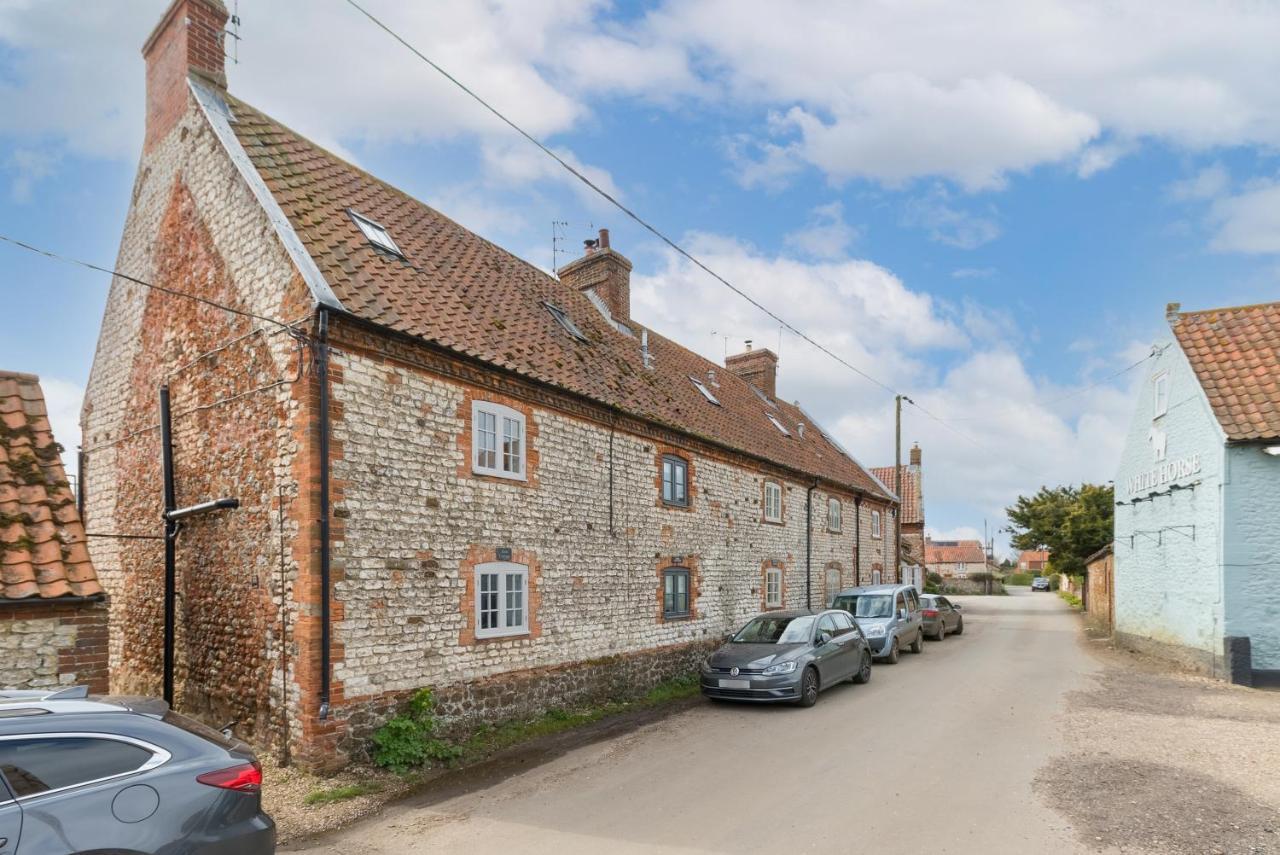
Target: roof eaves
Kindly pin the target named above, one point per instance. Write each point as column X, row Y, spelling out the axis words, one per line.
column 218, row 114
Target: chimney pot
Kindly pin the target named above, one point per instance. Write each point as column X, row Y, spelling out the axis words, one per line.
column 603, row 242
column 1171, row 312
column 915, row 454
column 604, row 271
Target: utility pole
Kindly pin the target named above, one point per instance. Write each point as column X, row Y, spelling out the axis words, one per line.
column 897, row 485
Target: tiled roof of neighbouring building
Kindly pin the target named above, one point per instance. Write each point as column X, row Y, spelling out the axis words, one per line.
column 42, row 542
column 954, row 552
column 912, row 506
column 1235, row 353
column 466, row 294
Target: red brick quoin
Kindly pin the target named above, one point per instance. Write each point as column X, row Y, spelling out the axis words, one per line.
column 85, row 661
column 682, row 562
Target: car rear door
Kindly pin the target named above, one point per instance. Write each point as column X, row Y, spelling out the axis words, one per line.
column 10, row 820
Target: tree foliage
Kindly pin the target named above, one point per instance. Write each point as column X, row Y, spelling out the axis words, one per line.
column 1071, row 522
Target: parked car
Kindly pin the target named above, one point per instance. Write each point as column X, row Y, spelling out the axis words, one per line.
column 1040, row 583
column 103, row 774
column 941, row 616
column 788, row 656
column 889, row 616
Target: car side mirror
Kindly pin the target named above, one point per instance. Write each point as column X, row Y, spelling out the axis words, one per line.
column 902, row 614
column 955, row 606
column 824, row 638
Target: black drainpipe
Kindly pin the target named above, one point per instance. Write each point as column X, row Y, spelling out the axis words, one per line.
column 322, row 378
column 170, row 543
column 808, row 546
column 857, row 540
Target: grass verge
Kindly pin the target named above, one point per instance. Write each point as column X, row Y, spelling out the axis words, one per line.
column 341, row 794
column 1075, row 601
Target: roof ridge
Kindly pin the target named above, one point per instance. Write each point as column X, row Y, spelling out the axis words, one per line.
column 1273, row 303
column 19, row 375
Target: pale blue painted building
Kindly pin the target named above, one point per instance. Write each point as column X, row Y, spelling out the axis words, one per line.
column 1197, row 525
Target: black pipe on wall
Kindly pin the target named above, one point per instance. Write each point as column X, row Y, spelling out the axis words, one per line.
column 322, row 379
column 170, row 541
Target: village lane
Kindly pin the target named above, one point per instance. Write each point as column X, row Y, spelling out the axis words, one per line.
column 943, row 748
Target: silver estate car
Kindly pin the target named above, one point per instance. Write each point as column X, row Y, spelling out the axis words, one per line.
column 788, row 656
column 889, row 615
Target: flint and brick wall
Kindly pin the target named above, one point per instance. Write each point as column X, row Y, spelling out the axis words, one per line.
column 45, row 646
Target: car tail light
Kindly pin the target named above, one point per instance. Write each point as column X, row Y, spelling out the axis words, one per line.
column 930, row 612
column 246, row 778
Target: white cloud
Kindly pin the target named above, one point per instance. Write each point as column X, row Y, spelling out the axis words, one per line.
column 1248, row 222
column 28, row 167
column 825, row 235
column 1208, row 183
column 1102, row 156
column 947, row 224
column 62, row 398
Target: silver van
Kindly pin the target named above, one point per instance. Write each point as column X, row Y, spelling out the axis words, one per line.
column 889, row 616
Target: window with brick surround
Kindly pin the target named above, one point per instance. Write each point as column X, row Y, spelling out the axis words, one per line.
column 502, row 599
column 772, row 501
column 773, row 588
column 675, row 593
column 675, row 481
column 497, row 440
column 833, row 514
column 875, row 524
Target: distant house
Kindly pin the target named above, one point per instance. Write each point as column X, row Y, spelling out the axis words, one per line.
column 53, row 620
column 1197, row 523
column 956, row 559
column 1033, row 560
column 912, row 512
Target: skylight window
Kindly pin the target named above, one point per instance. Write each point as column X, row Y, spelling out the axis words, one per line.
column 762, row 396
column 376, row 234
column 565, row 321
column 706, row 393
column 781, row 428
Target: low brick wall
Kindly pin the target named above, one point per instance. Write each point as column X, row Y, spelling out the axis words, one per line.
column 525, row 694
column 46, row 646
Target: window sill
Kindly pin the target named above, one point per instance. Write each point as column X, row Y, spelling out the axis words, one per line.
column 673, row 506
column 502, row 476
column 768, row 521
column 503, row 636
column 676, row 618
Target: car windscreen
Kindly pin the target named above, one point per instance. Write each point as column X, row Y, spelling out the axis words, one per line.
column 776, row 630
column 866, row 605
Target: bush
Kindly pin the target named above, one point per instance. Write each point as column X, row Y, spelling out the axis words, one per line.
column 933, row 578
column 931, row 588
column 409, row 740
column 1018, row 579
column 981, row 576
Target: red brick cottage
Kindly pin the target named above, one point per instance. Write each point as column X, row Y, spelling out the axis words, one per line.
column 53, row 621
column 453, row 469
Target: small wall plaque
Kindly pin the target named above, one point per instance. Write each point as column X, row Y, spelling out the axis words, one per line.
column 677, row 559
column 504, row 553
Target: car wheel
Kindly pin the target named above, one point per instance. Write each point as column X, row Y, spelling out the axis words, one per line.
column 864, row 673
column 917, row 646
column 894, row 652
column 942, row 631
column 960, row 627
column 808, row 688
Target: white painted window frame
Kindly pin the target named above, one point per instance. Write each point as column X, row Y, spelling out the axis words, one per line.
column 877, row 529
column 375, row 233
column 772, row 513
column 1159, row 383
column 501, row 416
column 502, row 570
column 835, row 515
column 773, row 587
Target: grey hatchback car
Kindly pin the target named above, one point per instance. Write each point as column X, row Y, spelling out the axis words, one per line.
column 127, row 775
column 788, row 656
column 889, row 615
column 941, row 616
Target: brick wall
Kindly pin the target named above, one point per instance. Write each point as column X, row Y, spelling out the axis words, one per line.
column 46, row 646
column 1100, row 594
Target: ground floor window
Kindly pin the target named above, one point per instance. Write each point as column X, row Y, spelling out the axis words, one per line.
column 502, row 590
column 773, row 588
column 675, row 592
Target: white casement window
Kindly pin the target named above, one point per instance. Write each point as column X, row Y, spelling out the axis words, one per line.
column 875, row 524
column 772, row 501
column 1160, row 395
column 833, row 514
column 875, row 577
column 773, row 588
column 497, row 441
column 502, row 599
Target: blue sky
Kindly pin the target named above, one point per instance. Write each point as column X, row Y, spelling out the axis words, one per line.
column 987, row 212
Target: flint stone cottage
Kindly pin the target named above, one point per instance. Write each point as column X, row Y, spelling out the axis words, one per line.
column 453, row 470
column 955, row 559
column 53, row 618
column 912, row 510
column 1197, row 522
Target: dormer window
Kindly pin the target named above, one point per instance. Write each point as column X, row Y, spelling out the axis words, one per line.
column 706, row 393
column 565, row 321
column 781, row 428
column 375, row 233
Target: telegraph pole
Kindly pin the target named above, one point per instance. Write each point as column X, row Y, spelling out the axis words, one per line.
column 897, row 484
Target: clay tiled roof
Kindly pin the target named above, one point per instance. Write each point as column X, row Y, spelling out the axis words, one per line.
column 462, row 292
column 1030, row 555
column 912, row 504
column 954, row 552
column 42, row 548
column 1235, row 353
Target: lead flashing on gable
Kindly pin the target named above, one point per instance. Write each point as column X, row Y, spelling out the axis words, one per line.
column 219, row 116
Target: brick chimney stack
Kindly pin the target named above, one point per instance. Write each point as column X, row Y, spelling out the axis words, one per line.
column 604, row 271
column 757, row 367
column 915, row 454
column 188, row 39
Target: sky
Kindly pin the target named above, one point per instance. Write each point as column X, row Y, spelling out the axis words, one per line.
column 984, row 206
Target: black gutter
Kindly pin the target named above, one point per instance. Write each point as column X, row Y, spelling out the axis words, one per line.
column 808, row 546
column 322, row 378
column 170, row 542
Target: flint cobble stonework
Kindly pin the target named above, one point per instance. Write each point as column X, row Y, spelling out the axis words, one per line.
column 46, row 646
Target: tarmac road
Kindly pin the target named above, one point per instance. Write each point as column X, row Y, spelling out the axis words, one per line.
column 935, row 754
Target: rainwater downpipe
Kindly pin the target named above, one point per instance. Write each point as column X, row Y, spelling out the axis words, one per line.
column 857, row 540
column 322, row 378
column 808, row 545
